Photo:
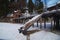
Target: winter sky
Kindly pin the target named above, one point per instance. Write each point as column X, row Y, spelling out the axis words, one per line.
column 50, row 2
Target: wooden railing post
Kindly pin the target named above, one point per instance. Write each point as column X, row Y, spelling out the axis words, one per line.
column 51, row 24
column 41, row 23
column 37, row 23
column 28, row 37
column 44, row 23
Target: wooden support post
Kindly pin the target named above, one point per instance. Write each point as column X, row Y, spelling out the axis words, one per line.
column 37, row 23
column 51, row 24
column 24, row 21
column 44, row 23
column 40, row 23
column 18, row 20
column 54, row 22
column 28, row 37
column 57, row 23
column 33, row 25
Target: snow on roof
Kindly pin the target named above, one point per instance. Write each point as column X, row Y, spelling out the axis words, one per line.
column 15, row 11
column 10, row 15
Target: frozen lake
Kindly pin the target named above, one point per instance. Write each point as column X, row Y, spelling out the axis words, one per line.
column 9, row 31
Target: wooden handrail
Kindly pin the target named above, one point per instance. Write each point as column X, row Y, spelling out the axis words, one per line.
column 36, row 18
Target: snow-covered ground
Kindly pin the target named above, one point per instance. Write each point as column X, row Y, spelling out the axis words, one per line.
column 44, row 35
column 9, row 31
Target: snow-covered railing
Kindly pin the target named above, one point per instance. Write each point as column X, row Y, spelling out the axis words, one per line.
column 36, row 18
column 31, row 21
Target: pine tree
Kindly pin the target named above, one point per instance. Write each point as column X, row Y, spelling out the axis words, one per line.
column 30, row 6
column 38, row 5
column 3, row 7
